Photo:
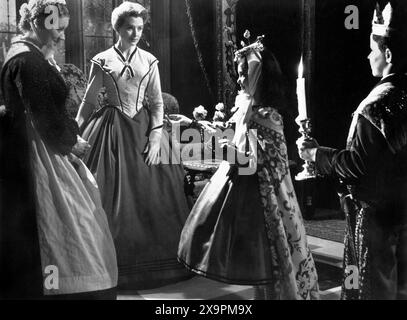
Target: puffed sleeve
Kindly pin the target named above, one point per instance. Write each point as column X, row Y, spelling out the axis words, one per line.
column 90, row 101
column 155, row 99
column 50, row 117
column 94, row 84
column 362, row 159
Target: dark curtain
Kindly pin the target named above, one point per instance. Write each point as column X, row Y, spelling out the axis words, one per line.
column 193, row 54
column 280, row 22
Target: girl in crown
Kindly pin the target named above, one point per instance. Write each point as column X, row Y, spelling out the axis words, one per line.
column 246, row 226
column 144, row 200
column 54, row 235
column 373, row 169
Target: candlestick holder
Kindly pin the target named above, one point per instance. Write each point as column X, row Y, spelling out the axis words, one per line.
column 308, row 171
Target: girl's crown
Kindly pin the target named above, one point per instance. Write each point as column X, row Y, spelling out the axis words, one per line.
column 254, row 47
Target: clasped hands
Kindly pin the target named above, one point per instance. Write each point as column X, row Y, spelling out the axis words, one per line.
column 81, row 147
column 307, row 148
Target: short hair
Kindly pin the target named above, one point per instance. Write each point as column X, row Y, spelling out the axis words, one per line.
column 396, row 43
column 34, row 10
column 125, row 10
column 396, row 38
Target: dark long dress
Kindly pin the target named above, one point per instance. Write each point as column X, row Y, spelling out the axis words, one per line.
column 146, row 205
column 20, row 257
column 20, row 263
column 50, row 215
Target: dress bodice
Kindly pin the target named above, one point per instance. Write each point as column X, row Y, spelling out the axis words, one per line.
column 128, row 82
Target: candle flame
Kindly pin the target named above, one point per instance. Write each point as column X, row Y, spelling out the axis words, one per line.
column 300, row 69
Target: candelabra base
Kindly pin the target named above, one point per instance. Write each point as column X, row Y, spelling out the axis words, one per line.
column 303, row 175
column 307, row 173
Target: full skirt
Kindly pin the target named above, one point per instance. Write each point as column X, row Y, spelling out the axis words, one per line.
column 146, row 205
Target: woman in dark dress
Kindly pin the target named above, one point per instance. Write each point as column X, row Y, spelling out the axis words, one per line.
column 143, row 198
column 54, row 235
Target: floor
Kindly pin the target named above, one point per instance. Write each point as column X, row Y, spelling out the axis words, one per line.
column 327, row 254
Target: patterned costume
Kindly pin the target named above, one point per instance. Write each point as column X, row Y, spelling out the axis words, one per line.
column 374, row 170
column 247, row 229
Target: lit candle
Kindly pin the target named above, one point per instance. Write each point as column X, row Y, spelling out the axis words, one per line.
column 301, row 96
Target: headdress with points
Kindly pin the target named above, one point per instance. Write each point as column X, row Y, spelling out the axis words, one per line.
column 382, row 20
column 255, row 47
column 391, row 20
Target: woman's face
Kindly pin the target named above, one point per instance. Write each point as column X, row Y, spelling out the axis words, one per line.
column 377, row 59
column 242, row 70
column 131, row 30
column 52, row 36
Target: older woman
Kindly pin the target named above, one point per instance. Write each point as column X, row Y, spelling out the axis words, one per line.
column 55, row 239
column 144, row 200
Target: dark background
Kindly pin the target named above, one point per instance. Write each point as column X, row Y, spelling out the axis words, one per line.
column 187, row 79
column 340, row 78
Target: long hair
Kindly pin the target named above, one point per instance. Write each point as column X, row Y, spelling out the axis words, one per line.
column 272, row 84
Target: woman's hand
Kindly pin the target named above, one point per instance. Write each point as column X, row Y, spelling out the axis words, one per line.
column 185, row 121
column 81, row 147
column 307, row 148
column 207, row 126
column 152, row 150
column 180, row 119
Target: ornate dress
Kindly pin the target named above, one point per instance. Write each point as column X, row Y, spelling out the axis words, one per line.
column 146, row 205
column 246, row 228
column 374, row 170
column 52, row 220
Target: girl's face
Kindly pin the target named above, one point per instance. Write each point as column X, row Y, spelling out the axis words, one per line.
column 131, row 30
column 242, row 70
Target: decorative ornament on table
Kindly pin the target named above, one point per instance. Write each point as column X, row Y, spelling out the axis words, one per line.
column 220, row 115
column 200, row 113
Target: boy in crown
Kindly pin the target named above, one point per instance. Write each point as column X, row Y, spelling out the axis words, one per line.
column 373, row 169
